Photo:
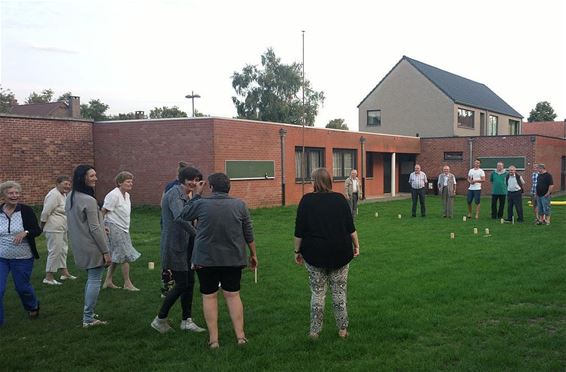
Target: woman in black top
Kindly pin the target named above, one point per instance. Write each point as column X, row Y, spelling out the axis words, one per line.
column 326, row 241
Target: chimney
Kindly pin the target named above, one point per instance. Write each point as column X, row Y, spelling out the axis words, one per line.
column 75, row 106
column 139, row 115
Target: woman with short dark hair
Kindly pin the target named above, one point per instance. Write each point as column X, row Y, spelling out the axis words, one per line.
column 325, row 242
column 177, row 240
column 18, row 229
column 88, row 238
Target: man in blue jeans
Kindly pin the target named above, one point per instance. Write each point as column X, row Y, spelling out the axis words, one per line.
column 545, row 185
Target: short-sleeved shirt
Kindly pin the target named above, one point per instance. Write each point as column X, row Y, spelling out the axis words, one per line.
column 476, row 174
column 498, row 183
column 324, row 223
column 543, row 183
column 417, row 181
column 119, row 209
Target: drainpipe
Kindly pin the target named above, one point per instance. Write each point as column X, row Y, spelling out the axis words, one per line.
column 282, row 134
column 393, row 173
column 362, row 166
column 471, row 148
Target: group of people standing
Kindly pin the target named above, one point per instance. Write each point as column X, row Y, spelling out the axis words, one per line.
column 507, row 185
column 98, row 238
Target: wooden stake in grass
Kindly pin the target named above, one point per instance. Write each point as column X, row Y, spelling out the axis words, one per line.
column 502, row 221
column 151, row 265
column 486, row 231
column 475, row 230
column 399, row 216
column 464, row 218
column 255, row 275
column 452, row 235
column 376, row 214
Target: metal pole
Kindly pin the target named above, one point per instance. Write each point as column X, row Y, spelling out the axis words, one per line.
column 303, row 160
column 193, row 101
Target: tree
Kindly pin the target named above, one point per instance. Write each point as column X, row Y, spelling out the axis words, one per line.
column 64, row 97
column 199, row 114
column 337, row 124
column 542, row 112
column 167, row 112
column 7, row 99
column 94, row 110
column 272, row 92
column 45, row 96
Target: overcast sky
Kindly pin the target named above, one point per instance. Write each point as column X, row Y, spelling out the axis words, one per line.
column 135, row 55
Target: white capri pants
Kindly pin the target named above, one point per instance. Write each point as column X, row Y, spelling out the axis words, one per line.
column 57, row 248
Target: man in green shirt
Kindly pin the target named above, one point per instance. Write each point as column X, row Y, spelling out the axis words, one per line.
column 498, row 190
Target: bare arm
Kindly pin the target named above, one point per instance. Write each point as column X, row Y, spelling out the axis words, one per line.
column 356, row 243
column 298, row 255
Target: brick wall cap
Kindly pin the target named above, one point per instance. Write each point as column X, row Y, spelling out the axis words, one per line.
column 213, row 118
column 2, row 115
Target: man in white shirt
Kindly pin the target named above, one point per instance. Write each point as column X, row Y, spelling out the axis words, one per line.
column 353, row 191
column 418, row 182
column 476, row 176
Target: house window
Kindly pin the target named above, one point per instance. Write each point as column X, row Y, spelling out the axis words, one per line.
column 492, row 126
column 465, row 118
column 314, row 158
column 514, row 128
column 343, row 161
column 454, row 155
column 374, row 117
column 369, row 164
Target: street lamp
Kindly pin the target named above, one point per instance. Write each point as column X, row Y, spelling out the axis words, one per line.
column 192, row 97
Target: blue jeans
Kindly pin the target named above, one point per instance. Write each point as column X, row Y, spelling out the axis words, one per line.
column 543, row 205
column 21, row 274
column 92, row 289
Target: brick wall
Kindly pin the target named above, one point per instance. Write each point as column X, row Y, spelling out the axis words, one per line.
column 432, row 160
column 550, row 152
column 545, row 128
column 37, row 150
column 151, row 150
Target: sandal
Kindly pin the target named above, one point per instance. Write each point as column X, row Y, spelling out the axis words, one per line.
column 213, row 345
column 313, row 336
column 242, row 341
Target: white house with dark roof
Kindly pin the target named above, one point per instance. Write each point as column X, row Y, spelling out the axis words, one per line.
column 421, row 100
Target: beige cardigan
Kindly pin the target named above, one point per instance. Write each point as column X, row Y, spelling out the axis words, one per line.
column 349, row 187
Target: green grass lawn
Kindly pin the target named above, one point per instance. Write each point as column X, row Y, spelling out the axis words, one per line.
column 418, row 300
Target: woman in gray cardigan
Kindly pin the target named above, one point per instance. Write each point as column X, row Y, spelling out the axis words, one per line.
column 87, row 237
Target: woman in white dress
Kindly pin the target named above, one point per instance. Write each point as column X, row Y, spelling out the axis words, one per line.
column 116, row 211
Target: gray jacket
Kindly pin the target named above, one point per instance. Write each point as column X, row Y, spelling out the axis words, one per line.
column 86, row 231
column 175, row 233
column 224, row 228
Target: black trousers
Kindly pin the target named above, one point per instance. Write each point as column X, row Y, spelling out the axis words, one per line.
column 418, row 194
column 495, row 211
column 183, row 288
column 515, row 200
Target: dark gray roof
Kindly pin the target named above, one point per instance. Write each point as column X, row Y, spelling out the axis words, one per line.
column 464, row 91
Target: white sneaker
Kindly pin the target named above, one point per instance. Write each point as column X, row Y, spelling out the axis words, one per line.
column 70, row 277
column 161, row 325
column 51, row 282
column 189, row 325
